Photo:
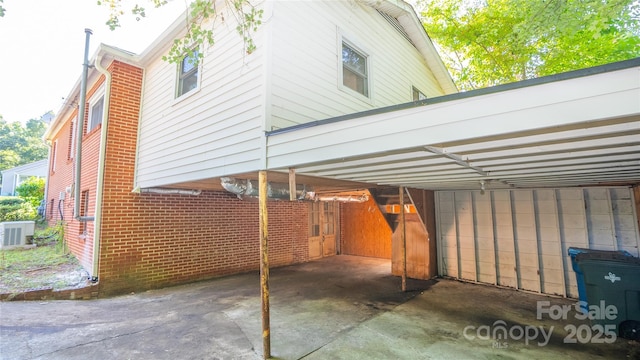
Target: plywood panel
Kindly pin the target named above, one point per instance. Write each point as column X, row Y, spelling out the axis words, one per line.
column 420, row 248
column 598, row 212
column 364, row 230
column 504, row 242
column 428, row 213
column 624, row 220
column 447, row 240
column 532, row 231
column 417, row 249
column 550, row 253
column 526, row 239
column 484, row 237
column 466, row 235
column 572, row 224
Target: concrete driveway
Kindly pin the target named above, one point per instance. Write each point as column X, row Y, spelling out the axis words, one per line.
column 337, row 308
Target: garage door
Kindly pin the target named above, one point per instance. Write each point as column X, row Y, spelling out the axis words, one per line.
column 519, row 238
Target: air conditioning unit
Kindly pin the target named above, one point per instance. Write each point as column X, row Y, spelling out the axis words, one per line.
column 15, row 233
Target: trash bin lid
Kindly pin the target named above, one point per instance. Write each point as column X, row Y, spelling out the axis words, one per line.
column 617, row 256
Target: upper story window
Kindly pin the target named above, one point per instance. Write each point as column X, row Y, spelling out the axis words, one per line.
column 96, row 111
column 417, row 94
column 355, row 70
column 188, row 73
column 72, row 139
column 54, row 155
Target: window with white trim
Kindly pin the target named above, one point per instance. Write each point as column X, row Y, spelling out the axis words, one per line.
column 355, row 69
column 96, row 112
column 188, row 73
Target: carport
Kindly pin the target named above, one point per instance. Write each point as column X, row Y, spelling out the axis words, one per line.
column 477, row 177
column 518, row 172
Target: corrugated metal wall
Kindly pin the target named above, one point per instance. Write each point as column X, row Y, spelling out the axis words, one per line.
column 519, row 238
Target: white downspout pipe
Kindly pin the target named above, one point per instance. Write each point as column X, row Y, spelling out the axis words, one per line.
column 101, row 161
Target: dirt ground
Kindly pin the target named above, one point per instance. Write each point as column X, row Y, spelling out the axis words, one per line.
column 68, row 275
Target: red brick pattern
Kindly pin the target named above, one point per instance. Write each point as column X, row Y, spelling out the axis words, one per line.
column 151, row 240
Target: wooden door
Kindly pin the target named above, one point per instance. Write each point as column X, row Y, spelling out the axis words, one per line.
column 322, row 229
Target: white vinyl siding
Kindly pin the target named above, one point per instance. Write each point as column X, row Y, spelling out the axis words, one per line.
column 520, row 238
column 306, row 62
column 213, row 132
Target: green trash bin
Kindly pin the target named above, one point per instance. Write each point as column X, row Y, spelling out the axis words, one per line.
column 613, row 280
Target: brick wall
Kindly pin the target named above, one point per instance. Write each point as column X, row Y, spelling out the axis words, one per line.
column 153, row 240
column 62, row 178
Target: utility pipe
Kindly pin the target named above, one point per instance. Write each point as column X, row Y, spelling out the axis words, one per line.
column 403, row 237
column 101, row 168
column 80, row 125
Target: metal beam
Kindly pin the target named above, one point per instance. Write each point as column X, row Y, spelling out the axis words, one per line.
column 457, row 159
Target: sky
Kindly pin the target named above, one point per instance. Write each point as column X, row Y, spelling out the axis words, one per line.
column 42, row 48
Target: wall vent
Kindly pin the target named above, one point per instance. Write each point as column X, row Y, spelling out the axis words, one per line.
column 396, row 25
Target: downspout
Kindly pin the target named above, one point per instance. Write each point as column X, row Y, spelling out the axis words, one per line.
column 47, row 182
column 101, row 161
column 80, row 125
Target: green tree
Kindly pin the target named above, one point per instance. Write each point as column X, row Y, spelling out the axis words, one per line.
column 489, row 42
column 21, row 144
column 247, row 15
column 32, row 190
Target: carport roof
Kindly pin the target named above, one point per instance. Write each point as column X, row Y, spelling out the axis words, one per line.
column 580, row 128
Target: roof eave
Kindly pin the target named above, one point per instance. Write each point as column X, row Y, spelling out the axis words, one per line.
column 105, row 53
column 408, row 18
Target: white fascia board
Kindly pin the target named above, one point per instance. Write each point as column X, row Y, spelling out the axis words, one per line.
column 164, row 41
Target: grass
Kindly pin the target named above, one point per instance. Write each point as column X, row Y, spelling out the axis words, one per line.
column 43, row 266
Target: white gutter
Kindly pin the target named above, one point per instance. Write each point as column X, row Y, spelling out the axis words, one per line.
column 101, row 165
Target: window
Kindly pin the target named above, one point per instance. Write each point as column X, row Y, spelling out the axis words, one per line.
column 417, row 94
column 72, row 138
column 84, row 210
column 188, row 73
column 96, row 112
column 314, row 219
column 54, row 153
column 354, row 70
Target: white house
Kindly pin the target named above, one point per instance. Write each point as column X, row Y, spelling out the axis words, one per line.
column 11, row 178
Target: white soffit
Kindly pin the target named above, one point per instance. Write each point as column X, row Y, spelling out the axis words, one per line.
column 575, row 129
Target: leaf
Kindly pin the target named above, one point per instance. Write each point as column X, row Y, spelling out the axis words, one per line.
column 503, row 41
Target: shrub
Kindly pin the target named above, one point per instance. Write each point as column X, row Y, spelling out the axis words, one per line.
column 19, row 212
column 32, row 190
column 10, row 201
